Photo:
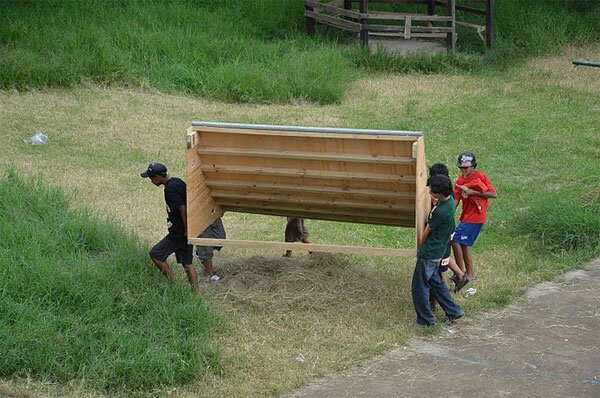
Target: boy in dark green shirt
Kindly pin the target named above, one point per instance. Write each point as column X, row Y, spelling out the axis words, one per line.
column 426, row 280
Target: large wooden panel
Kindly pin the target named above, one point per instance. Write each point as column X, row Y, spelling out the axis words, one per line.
column 351, row 175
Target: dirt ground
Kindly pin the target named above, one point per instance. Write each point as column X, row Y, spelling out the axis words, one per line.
column 546, row 344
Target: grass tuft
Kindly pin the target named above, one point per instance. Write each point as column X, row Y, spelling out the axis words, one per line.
column 252, row 51
column 559, row 223
column 79, row 301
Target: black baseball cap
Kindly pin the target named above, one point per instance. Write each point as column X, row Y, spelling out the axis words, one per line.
column 466, row 159
column 154, row 169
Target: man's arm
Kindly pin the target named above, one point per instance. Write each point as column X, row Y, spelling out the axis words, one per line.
column 183, row 211
column 424, row 237
column 471, row 192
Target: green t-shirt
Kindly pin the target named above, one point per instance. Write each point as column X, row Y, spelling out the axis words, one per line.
column 441, row 224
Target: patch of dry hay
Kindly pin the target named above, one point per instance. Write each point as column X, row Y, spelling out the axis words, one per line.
column 312, row 283
column 558, row 70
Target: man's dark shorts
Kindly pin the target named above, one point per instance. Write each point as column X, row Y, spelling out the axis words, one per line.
column 216, row 231
column 166, row 247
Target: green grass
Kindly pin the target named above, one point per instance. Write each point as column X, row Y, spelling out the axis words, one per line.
column 534, row 130
column 246, row 50
column 80, row 301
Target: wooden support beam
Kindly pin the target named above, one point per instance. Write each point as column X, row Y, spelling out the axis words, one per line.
column 282, row 246
column 318, row 7
column 334, row 21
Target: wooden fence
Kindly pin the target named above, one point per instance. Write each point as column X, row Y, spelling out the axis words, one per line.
column 341, row 14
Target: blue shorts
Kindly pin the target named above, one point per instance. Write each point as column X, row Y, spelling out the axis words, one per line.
column 466, row 233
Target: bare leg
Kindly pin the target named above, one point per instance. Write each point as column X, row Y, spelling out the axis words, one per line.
column 164, row 268
column 191, row 274
column 458, row 255
column 468, row 257
column 208, row 271
column 455, row 269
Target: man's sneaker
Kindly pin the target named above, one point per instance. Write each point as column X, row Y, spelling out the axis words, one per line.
column 454, row 279
column 452, row 319
column 461, row 283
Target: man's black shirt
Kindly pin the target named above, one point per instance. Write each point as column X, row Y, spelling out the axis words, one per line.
column 175, row 197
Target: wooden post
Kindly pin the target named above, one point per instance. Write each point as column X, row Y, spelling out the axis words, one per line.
column 430, row 7
column 489, row 23
column 364, row 33
column 310, row 22
column 451, row 37
column 348, row 4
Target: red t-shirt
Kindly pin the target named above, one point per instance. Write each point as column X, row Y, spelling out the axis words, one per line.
column 474, row 208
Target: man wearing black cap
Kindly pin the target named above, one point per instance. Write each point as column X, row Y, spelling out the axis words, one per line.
column 176, row 240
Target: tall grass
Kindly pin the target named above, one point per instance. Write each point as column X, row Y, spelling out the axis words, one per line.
column 228, row 50
column 244, row 50
column 80, row 301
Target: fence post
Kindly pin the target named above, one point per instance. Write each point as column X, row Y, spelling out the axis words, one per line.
column 451, row 37
column 364, row 33
column 430, row 7
column 489, row 23
column 310, row 23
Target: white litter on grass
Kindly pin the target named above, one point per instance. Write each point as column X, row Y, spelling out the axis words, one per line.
column 470, row 292
column 300, row 358
column 39, row 138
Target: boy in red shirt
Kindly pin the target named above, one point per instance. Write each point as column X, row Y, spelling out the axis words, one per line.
column 474, row 189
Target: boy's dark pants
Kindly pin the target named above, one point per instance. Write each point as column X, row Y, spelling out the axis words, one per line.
column 427, row 281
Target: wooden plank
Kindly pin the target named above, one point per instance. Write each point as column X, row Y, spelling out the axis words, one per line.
column 202, row 210
column 192, row 138
column 423, row 200
column 425, row 30
column 413, row 35
column 407, row 25
column 314, row 182
column 392, row 16
column 316, row 134
column 292, row 198
column 314, row 211
column 333, row 21
column 338, row 157
column 321, row 144
column 317, row 6
column 219, row 168
column 245, row 186
column 281, row 246
column 400, row 1
column 406, row 221
column 295, row 130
